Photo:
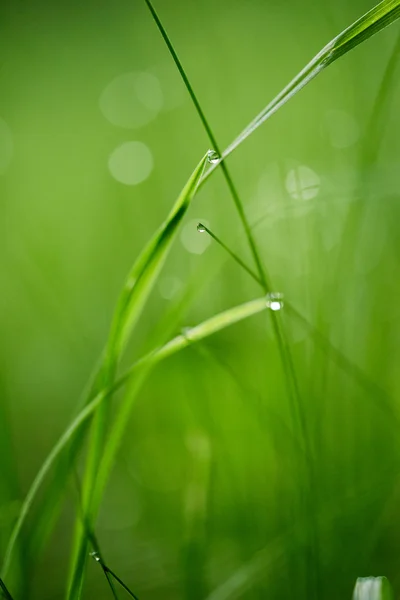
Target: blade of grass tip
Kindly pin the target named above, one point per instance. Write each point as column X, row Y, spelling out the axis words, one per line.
column 209, row 327
column 203, row 228
column 381, row 16
column 4, row 590
column 133, row 298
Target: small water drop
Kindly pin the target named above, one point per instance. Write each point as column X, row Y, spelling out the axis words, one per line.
column 95, row 556
column 213, row 157
column 275, row 301
column 185, row 332
column 201, row 228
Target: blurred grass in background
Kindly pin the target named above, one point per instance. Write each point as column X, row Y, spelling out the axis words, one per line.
column 97, row 137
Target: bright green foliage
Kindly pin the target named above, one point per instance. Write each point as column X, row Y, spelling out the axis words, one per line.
column 285, row 439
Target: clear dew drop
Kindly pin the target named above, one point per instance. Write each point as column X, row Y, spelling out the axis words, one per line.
column 185, row 332
column 275, row 301
column 95, row 556
column 213, row 157
column 201, row 228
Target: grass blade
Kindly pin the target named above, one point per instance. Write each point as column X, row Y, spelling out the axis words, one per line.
column 190, row 336
column 41, row 474
column 205, row 329
column 213, row 141
column 133, row 298
column 381, row 16
column 4, row 591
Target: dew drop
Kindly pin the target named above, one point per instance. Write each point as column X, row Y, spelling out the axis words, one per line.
column 213, row 157
column 201, row 228
column 186, row 332
column 95, row 556
column 275, row 301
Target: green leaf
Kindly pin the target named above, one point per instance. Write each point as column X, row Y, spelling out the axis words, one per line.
column 382, row 15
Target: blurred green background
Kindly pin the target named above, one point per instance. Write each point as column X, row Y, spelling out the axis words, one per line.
column 97, row 138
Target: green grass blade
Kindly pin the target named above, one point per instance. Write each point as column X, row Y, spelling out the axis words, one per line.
column 207, row 328
column 146, row 269
column 44, row 469
column 144, row 365
column 133, row 298
column 213, row 141
column 279, row 332
column 4, row 591
column 380, row 17
column 198, row 333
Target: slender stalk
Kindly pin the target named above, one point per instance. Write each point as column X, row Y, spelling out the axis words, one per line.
column 5, row 591
column 350, row 368
column 213, row 142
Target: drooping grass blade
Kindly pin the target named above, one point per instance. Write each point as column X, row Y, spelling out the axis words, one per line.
column 381, row 16
column 207, row 328
column 133, row 298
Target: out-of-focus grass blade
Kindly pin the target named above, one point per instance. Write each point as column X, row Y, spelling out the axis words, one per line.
column 383, row 14
column 372, row 588
column 133, row 298
column 195, row 334
column 49, row 461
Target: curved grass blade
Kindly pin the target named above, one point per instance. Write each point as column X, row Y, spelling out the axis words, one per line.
column 381, row 16
column 44, row 469
column 133, row 298
column 205, row 329
column 189, row 336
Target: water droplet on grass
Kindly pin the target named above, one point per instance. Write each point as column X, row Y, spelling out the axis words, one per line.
column 201, row 228
column 212, row 156
column 275, row 301
column 95, row 556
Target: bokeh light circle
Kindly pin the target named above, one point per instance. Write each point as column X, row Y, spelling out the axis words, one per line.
column 193, row 241
column 132, row 100
column 131, row 163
